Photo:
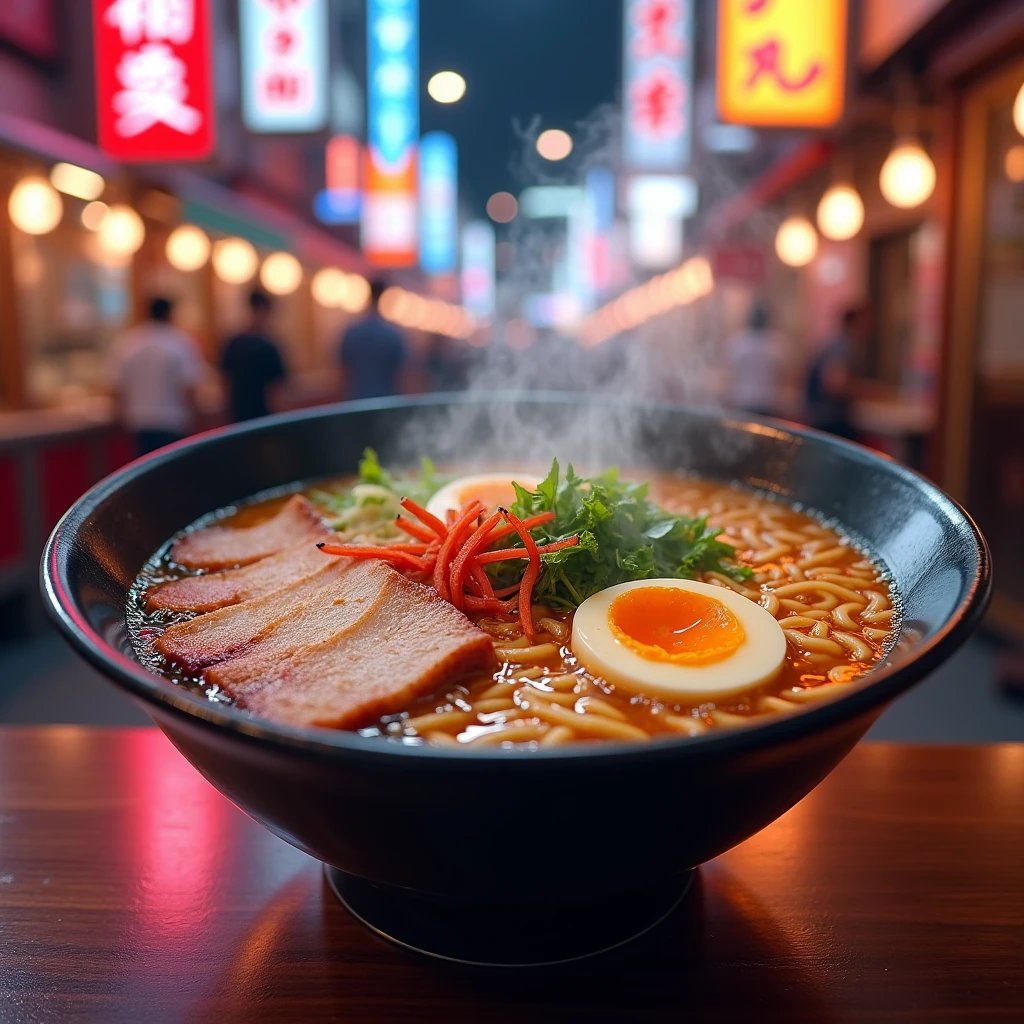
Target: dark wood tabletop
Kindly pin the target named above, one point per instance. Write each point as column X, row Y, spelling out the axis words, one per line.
column 130, row 890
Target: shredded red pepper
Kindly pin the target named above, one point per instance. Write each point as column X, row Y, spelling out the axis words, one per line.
column 452, row 555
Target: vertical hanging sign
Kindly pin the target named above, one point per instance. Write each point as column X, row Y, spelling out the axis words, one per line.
column 438, row 178
column 284, row 64
column 478, row 271
column 154, row 94
column 389, row 200
column 657, row 89
column 781, row 62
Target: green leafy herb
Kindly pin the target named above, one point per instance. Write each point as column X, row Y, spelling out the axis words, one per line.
column 623, row 536
column 371, row 505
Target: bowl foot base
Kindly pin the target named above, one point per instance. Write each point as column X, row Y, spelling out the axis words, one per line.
column 492, row 936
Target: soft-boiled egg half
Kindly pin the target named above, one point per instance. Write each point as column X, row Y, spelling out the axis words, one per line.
column 493, row 489
column 678, row 640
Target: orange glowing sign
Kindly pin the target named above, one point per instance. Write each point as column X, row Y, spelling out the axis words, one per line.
column 781, row 62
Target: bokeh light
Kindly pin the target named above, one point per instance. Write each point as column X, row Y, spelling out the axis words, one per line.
column 554, row 144
column 188, row 248
column 1018, row 111
column 234, row 260
column 281, row 273
column 121, row 232
column 93, row 214
column 328, row 287
column 76, row 181
column 446, row 87
column 502, row 207
column 356, row 296
column 35, row 206
column 907, row 177
column 1014, row 163
column 796, row 242
column 840, row 213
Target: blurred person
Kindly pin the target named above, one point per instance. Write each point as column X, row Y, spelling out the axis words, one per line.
column 156, row 369
column 445, row 364
column 829, row 389
column 756, row 366
column 252, row 363
column 373, row 353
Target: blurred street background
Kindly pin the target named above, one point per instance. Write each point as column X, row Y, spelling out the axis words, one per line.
column 212, row 210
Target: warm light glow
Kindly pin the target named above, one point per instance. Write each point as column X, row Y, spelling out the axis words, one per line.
column 93, row 214
column 281, row 273
column 796, row 241
column 356, row 296
column 446, row 87
column 234, row 260
column 908, row 176
column 554, row 144
column 188, row 248
column 76, row 181
column 122, row 232
column 1018, row 111
column 328, row 287
column 417, row 312
column 696, row 272
column 1015, row 163
column 502, row 207
column 35, row 206
column 840, row 213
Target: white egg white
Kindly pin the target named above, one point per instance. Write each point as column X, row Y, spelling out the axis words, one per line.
column 453, row 496
column 757, row 660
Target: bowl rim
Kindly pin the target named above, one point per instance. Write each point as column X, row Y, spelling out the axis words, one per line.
column 885, row 683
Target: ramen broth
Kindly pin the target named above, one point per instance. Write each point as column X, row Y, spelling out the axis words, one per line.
column 833, row 602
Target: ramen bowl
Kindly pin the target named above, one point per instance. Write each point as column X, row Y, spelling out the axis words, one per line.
column 511, row 856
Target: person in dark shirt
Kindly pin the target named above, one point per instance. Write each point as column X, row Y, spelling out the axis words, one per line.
column 373, row 353
column 829, row 391
column 251, row 363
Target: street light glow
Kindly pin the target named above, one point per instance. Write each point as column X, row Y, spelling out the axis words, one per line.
column 446, row 87
column 554, row 144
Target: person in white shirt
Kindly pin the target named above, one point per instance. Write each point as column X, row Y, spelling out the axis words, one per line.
column 155, row 369
column 756, row 367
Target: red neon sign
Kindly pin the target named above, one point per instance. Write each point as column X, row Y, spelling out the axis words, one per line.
column 154, row 94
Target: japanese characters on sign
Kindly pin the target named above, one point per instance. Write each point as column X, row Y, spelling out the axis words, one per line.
column 439, row 217
column 657, row 84
column 284, row 64
column 154, row 94
column 389, row 222
column 781, row 62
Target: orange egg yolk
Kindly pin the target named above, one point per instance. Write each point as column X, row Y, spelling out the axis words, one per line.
column 492, row 494
column 674, row 625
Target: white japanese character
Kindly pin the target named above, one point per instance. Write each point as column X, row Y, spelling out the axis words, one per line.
column 170, row 21
column 154, row 92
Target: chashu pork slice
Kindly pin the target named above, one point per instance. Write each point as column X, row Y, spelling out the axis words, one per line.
column 214, row 590
column 306, row 611
column 406, row 643
column 221, row 547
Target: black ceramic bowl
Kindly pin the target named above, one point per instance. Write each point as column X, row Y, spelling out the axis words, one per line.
column 609, row 824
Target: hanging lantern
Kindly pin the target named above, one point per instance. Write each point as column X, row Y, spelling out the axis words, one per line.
column 796, row 242
column 188, row 248
column 907, row 178
column 234, row 260
column 35, row 206
column 281, row 273
column 840, row 213
column 121, row 232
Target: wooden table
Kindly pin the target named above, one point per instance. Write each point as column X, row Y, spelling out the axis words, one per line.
column 131, row 891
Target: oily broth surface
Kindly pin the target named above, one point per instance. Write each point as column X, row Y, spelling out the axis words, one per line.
column 834, row 603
